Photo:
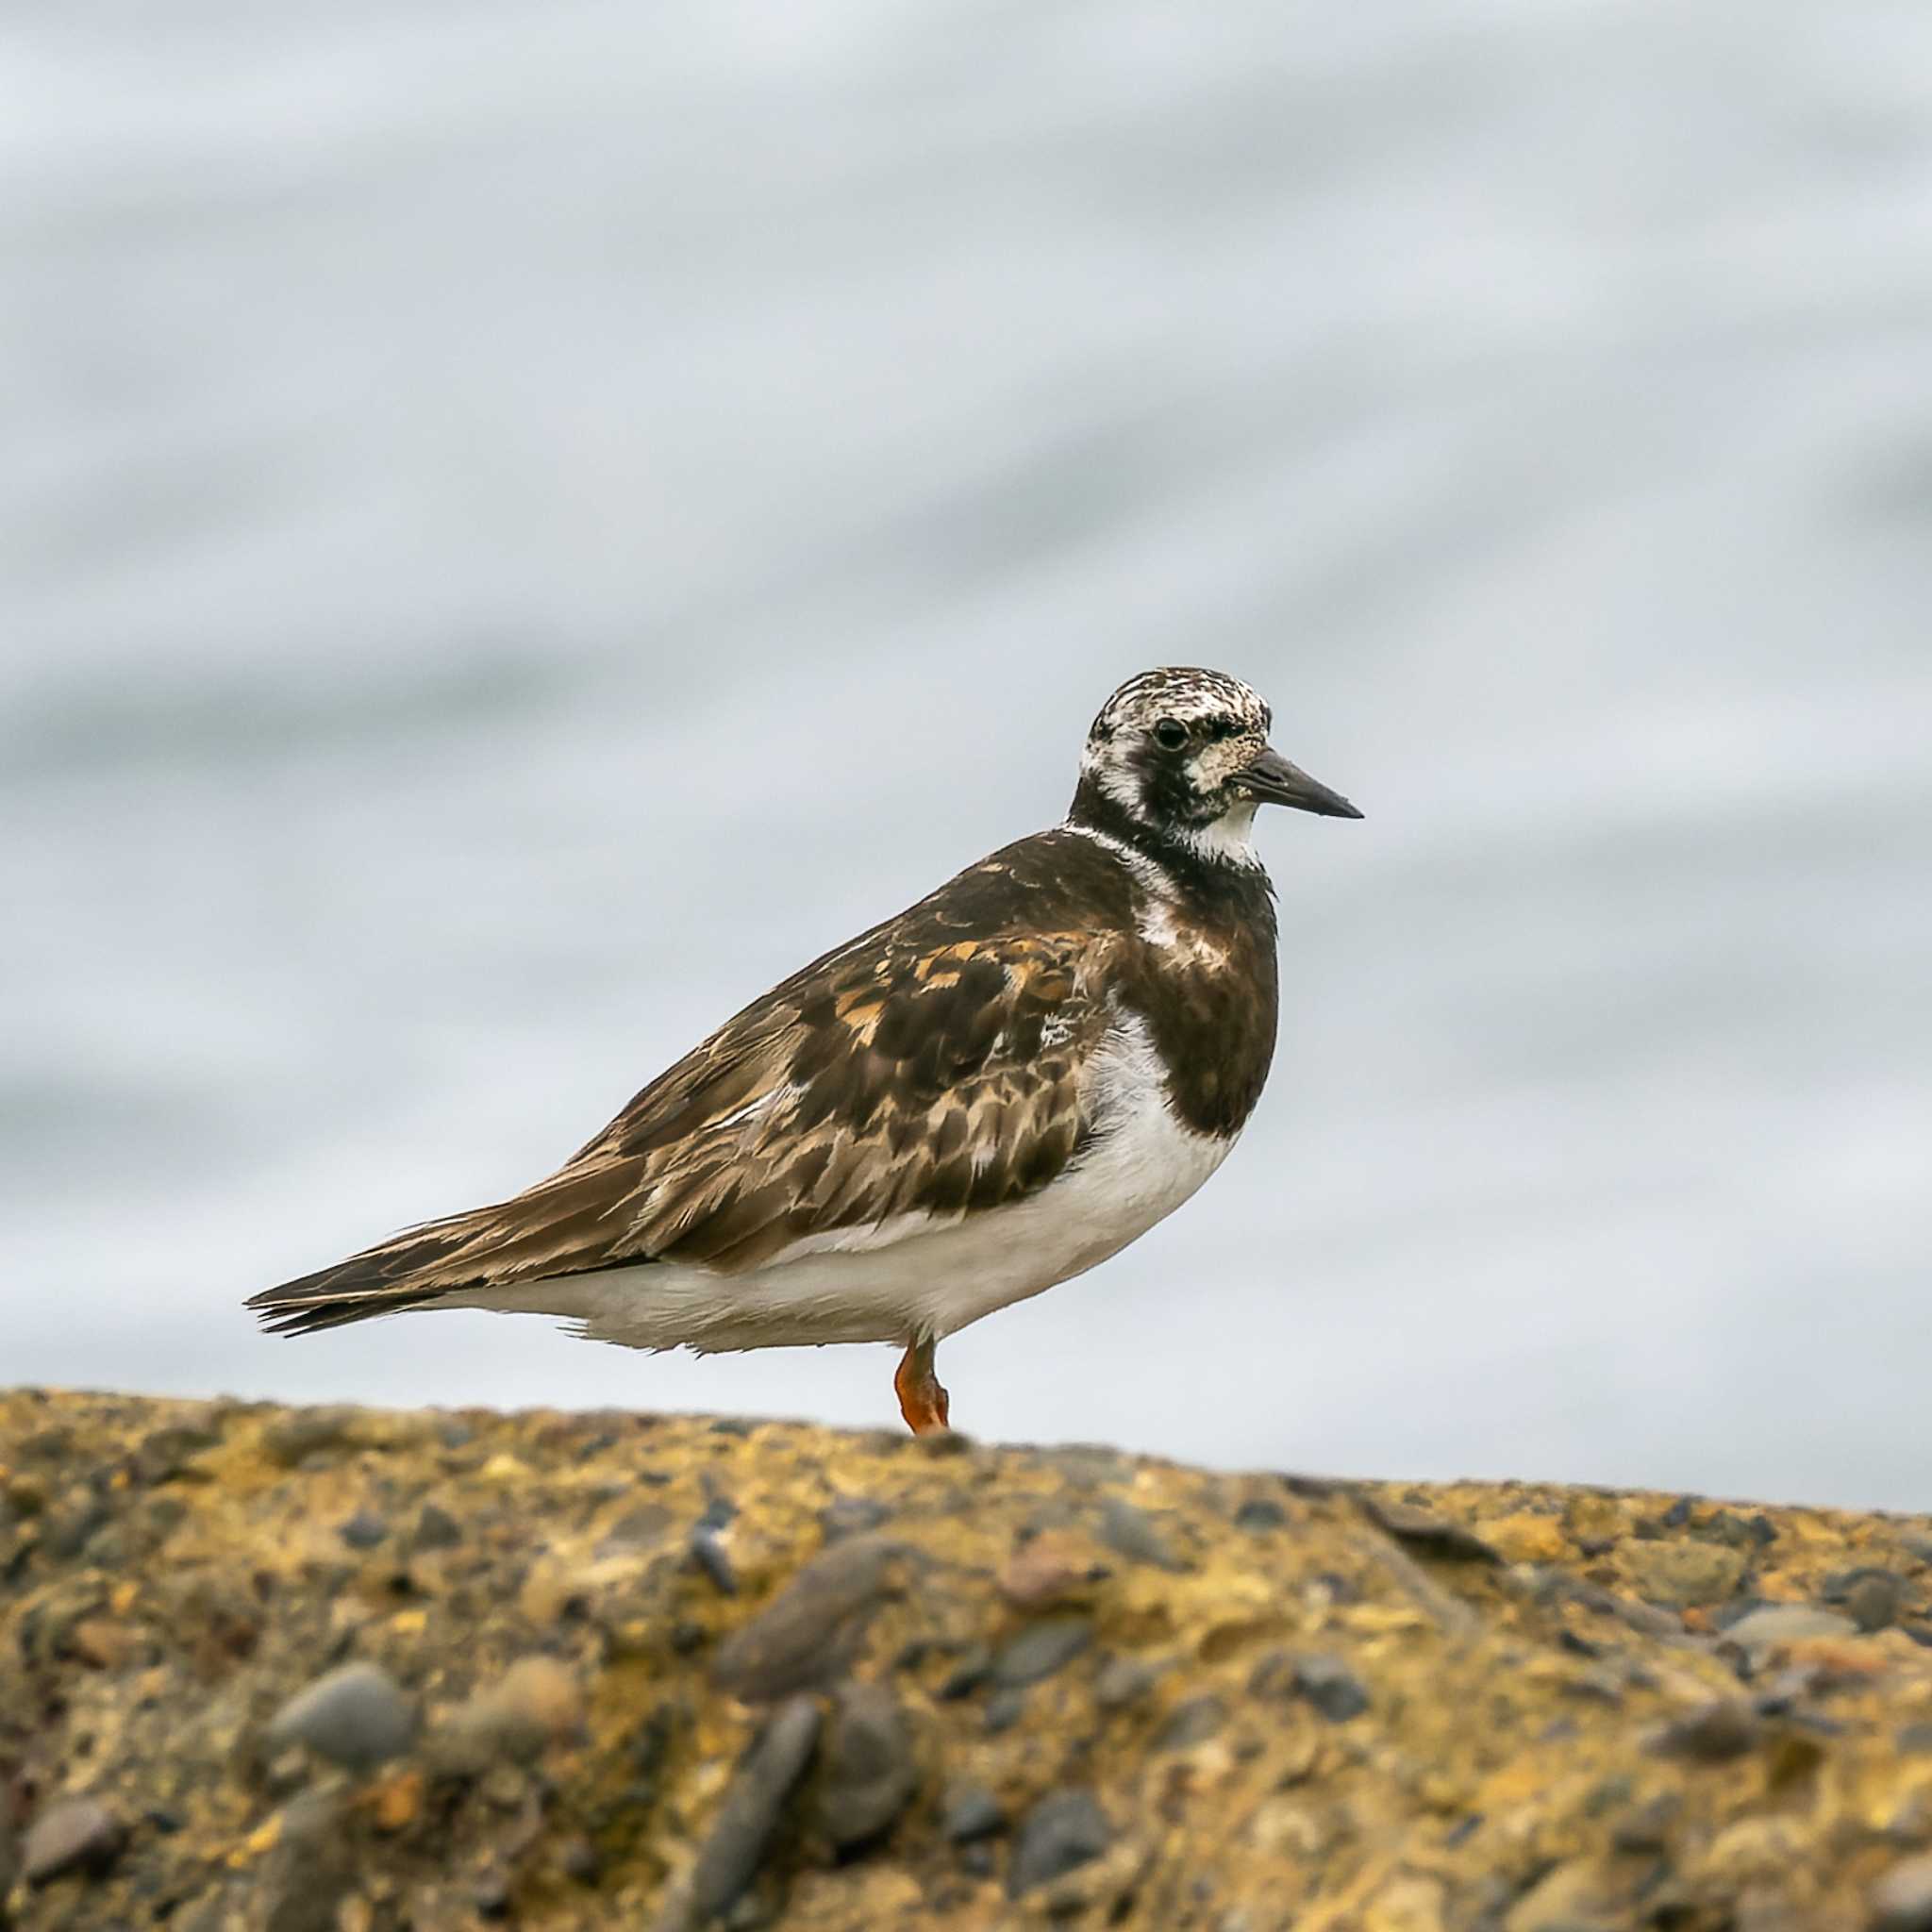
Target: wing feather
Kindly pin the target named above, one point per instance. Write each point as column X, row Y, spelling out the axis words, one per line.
column 909, row 1076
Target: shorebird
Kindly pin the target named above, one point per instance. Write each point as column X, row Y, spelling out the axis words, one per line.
column 984, row 1096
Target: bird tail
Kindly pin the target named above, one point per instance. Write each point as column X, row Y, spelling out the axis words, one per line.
column 577, row 1220
column 382, row 1280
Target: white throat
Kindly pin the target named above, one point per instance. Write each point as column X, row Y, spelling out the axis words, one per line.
column 1229, row 839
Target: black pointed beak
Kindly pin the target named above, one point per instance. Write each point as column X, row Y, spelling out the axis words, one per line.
column 1273, row 781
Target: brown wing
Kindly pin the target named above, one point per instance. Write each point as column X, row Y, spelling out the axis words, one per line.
column 912, row 1072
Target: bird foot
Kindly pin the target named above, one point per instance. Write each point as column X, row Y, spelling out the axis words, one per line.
column 922, row 1401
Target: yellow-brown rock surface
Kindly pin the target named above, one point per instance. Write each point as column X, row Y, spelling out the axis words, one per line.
column 303, row 1670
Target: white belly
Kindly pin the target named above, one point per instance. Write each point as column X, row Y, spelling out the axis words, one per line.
column 923, row 1278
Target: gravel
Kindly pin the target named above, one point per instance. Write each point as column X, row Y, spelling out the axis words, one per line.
column 749, row 1816
column 436, row 1529
column 969, row 1812
column 708, row 1552
column 866, row 1763
column 802, row 1638
column 1041, row 1649
column 72, row 1835
column 1902, row 1899
column 1713, row 1734
column 357, row 1717
column 1123, row 1680
column 1132, row 1533
column 1191, row 1722
column 364, row 1530
column 1064, row 1830
column 1763, row 1630
column 1331, row 1687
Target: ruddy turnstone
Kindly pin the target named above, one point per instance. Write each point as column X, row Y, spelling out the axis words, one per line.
column 985, row 1095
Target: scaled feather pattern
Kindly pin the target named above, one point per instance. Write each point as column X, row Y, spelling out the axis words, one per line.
column 910, row 1073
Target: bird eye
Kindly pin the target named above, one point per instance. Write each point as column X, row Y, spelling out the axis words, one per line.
column 1171, row 734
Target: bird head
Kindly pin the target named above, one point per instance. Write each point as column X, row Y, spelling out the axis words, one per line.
column 1183, row 754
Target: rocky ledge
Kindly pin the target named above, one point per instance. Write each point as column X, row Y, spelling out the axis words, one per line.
column 315, row 1668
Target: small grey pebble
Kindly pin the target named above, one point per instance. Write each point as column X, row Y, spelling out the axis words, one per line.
column 970, row 1811
column 1902, row 1899
column 1123, row 1680
column 1602, row 1682
column 970, row 1673
column 1041, row 1649
column 729, row 1858
column 1875, row 1600
column 851, row 1516
column 976, row 1861
column 1646, row 1831
column 1191, row 1722
column 436, row 1530
column 1259, row 1514
column 357, row 1717
column 807, row 1635
column 1337, row 1588
column 165, row 1515
column 309, row 1869
column 1427, row 1535
column 1003, row 1709
column 109, row 1549
column 1132, row 1533
column 1713, row 1734
column 867, row 1772
column 1331, row 1687
column 1064, row 1830
column 72, row 1526
column 73, row 1835
column 714, row 1559
column 1839, row 1584
column 363, row 1530
column 1764, row 1629
column 166, row 1453
column 293, row 1438
column 1914, row 1741
column 638, row 1529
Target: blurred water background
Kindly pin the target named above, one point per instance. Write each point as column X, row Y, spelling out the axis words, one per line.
column 521, row 524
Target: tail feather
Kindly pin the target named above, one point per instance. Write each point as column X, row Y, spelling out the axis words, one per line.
column 381, row 1280
column 573, row 1221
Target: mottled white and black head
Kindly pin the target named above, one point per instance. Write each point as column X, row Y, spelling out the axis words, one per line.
column 1180, row 758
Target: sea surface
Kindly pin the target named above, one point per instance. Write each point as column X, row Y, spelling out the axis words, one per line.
column 520, row 523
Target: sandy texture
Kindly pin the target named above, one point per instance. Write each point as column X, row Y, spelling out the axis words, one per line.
column 343, row 1669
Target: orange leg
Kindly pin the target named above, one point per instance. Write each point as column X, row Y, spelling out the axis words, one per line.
column 922, row 1401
